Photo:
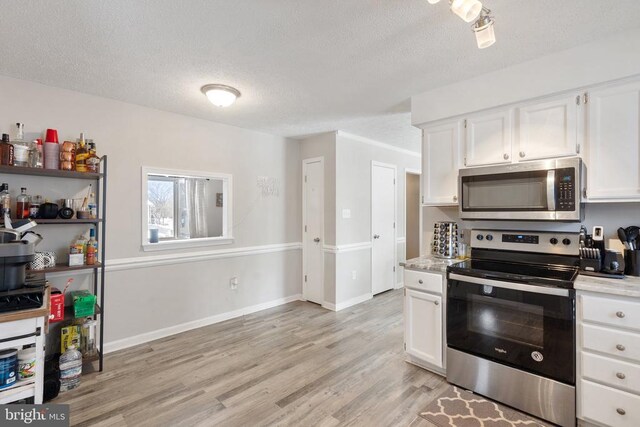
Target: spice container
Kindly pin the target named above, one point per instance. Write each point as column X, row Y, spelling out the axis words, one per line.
column 67, row 156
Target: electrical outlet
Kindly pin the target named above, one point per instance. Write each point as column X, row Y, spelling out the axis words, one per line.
column 233, row 283
column 354, row 275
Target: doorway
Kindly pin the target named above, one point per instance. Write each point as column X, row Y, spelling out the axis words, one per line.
column 313, row 229
column 383, row 227
column 412, row 214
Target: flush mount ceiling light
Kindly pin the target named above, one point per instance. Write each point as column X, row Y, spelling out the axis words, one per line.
column 470, row 10
column 221, row 95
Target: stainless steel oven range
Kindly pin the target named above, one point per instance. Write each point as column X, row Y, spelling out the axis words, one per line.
column 511, row 321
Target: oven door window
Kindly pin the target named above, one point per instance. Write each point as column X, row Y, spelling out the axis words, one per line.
column 516, row 191
column 513, row 321
column 528, row 331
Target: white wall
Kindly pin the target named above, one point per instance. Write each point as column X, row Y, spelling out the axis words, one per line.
column 599, row 61
column 150, row 291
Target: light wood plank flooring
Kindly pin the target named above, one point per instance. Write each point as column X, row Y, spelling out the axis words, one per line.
column 293, row 365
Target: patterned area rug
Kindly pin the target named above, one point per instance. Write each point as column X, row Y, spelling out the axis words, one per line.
column 460, row 408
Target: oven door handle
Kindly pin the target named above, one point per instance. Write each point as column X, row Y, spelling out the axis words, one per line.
column 510, row 285
column 551, row 190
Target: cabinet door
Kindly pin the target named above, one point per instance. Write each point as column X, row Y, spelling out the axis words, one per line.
column 423, row 326
column 488, row 138
column 548, row 129
column 440, row 162
column 613, row 136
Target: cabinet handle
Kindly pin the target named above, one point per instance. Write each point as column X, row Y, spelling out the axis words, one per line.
column 420, row 281
column 621, row 347
column 455, row 198
column 621, row 375
column 522, row 154
column 436, row 302
column 620, row 314
column 505, row 156
column 621, row 411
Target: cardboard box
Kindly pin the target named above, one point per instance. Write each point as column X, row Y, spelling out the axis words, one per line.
column 56, row 306
column 70, row 335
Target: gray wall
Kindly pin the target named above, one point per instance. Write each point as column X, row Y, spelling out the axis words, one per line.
column 142, row 300
column 353, row 191
column 609, row 215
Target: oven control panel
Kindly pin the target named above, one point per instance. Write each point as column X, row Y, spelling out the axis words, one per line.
column 549, row 242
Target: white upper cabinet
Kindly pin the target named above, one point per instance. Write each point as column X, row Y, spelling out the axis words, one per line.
column 613, row 140
column 549, row 128
column 440, row 163
column 488, row 138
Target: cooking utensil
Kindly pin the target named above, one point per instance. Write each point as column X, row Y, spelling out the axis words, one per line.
column 622, row 235
column 632, row 233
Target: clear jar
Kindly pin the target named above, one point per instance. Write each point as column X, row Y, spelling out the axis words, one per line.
column 70, row 368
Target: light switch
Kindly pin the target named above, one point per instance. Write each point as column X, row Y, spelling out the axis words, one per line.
column 346, row 213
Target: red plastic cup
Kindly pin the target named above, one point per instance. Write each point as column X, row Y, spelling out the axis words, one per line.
column 52, row 136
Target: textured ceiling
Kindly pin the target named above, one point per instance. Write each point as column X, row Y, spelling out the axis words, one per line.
column 303, row 66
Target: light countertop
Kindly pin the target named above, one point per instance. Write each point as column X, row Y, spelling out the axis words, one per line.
column 629, row 286
column 429, row 263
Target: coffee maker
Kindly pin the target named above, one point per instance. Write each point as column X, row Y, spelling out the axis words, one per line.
column 18, row 290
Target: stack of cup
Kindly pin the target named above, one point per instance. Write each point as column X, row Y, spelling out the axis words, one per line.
column 51, row 150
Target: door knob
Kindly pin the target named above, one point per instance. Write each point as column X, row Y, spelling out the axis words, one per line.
column 436, row 302
column 317, row 240
column 620, row 347
column 376, row 236
column 455, row 198
column 620, row 314
column 522, row 154
column 621, row 375
column 505, row 156
column 621, row 411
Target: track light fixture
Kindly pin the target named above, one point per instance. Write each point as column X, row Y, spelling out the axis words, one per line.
column 473, row 10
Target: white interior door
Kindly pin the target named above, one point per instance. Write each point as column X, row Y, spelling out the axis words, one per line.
column 383, row 227
column 313, row 231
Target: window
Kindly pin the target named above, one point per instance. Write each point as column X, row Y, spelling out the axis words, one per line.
column 185, row 208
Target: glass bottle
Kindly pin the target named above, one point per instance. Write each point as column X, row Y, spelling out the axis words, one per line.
column 34, row 206
column 5, row 199
column 20, row 147
column 81, row 155
column 22, row 204
column 6, row 151
column 93, row 242
column 36, row 155
column 93, row 161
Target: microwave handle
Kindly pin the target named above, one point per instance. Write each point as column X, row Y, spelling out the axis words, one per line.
column 551, row 190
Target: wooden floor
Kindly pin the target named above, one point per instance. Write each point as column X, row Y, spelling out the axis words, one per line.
column 293, row 365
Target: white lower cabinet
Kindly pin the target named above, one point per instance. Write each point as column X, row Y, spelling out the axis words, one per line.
column 608, row 360
column 424, row 323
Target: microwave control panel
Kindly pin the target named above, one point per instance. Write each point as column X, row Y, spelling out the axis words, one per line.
column 565, row 189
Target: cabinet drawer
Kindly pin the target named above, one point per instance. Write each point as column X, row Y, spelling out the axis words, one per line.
column 17, row 328
column 430, row 282
column 613, row 372
column 611, row 311
column 609, row 406
column 610, row 341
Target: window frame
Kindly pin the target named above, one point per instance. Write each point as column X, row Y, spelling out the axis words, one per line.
column 176, row 243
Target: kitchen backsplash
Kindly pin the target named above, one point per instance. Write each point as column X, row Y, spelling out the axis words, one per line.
column 609, row 215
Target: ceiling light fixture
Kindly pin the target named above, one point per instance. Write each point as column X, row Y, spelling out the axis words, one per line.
column 483, row 27
column 221, row 95
column 470, row 10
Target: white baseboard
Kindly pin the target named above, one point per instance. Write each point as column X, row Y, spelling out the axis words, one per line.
column 400, row 285
column 329, row 306
column 353, row 301
column 121, row 344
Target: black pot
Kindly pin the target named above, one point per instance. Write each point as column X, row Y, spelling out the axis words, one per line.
column 48, row 211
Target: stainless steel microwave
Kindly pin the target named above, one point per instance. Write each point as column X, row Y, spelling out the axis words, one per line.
column 548, row 190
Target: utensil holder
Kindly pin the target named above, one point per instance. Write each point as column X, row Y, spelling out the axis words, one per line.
column 632, row 262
